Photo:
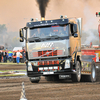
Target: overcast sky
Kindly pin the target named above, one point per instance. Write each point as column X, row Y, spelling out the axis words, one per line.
column 15, row 13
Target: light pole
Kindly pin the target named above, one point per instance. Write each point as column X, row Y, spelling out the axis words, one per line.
column 99, row 32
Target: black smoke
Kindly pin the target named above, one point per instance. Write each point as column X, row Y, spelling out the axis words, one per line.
column 42, row 6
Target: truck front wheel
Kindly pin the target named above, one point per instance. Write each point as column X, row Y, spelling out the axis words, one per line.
column 77, row 76
column 34, row 79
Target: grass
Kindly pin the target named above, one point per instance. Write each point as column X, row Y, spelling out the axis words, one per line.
column 12, row 75
column 11, row 63
column 11, row 70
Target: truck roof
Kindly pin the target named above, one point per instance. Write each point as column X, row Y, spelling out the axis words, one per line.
column 47, row 23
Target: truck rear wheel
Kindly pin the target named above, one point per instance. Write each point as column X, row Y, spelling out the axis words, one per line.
column 34, row 79
column 93, row 72
column 76, row 77
column 92, row 76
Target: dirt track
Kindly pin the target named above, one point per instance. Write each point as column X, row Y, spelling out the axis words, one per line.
column 10, row 89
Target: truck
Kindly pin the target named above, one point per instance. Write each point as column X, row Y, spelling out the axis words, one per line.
column 53, row 50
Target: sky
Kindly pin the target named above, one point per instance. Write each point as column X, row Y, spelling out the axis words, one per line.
column 15, row 13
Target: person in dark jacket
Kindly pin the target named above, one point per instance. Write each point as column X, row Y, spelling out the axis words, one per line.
column 23, row 54
column 4, row 56
column 0, row 56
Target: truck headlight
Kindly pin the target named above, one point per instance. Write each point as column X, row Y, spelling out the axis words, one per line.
column 67, row 63
column 30, row 66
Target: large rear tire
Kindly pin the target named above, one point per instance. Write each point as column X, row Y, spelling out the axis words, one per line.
column 77, row 77
column 92, row 76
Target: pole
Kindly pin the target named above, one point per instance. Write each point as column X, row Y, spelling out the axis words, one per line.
column 99, row 39
column 23, row 97
column 99, row 33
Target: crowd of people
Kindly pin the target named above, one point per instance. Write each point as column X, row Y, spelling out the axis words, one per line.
column 7, row 56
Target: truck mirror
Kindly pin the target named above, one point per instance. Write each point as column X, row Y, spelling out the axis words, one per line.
column 21, row 33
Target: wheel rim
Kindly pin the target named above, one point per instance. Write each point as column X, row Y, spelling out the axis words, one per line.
column 93, row 72
column 78, row 72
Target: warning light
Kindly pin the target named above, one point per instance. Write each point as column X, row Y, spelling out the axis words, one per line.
column 97, row 14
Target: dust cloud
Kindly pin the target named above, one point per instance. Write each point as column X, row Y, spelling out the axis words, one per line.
column 15, row 14
column 86, row 9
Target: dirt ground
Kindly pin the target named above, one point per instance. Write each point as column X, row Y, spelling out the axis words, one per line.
column 11, row 87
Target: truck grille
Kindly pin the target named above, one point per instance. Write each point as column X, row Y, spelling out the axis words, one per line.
column 49, row 53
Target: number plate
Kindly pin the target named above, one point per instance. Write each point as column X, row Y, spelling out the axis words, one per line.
column 45, row 73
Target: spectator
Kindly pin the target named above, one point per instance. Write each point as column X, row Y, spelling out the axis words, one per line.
column 4, row 56
column 0, row 56
column 18, row 57
column 23, row 54
column 10, row 55
column 14, row 57
column 14, row 53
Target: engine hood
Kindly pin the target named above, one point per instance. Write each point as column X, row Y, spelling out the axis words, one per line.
column 48, row 49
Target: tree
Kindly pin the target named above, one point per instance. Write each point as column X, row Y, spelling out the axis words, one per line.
column 3, row 29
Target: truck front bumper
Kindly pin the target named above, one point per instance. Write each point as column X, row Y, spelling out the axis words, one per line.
column 48, row 73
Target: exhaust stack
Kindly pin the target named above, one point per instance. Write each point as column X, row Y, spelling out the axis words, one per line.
column 42, row 18
column 42, row 7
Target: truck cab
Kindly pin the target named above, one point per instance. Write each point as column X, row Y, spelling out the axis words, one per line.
column 53, row 49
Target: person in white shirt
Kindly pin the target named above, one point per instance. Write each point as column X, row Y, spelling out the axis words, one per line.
column 18, row 56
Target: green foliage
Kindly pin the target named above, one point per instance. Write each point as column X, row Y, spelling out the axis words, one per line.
column 9, row 39
column 3, row 29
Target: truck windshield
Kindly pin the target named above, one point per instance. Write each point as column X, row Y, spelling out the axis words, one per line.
column 44, row 32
